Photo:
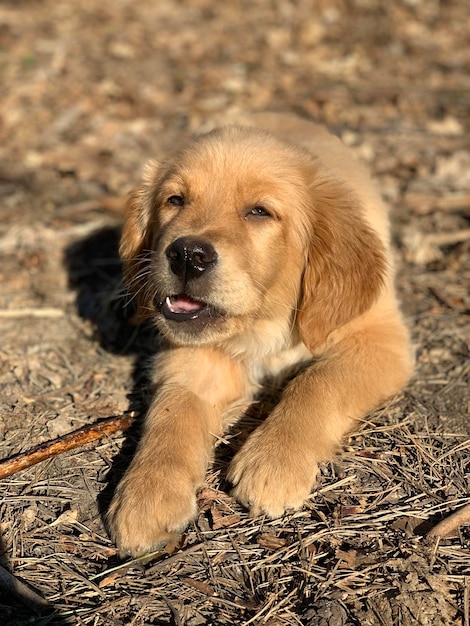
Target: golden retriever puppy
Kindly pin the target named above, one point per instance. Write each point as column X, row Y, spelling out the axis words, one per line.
column 255, row 252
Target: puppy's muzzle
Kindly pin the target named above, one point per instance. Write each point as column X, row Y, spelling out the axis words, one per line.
column 190, row 257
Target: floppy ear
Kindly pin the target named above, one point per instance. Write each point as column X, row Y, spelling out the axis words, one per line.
column 345, row 267
column 136, row 238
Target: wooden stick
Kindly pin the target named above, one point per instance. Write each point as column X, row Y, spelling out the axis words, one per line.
column 448, row 525
column 45, row 313
column 73, row 440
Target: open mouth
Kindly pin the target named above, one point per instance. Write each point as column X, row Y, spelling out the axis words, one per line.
column 183, row 308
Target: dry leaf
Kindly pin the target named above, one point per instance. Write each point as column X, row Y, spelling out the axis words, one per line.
column 67, row 517
column 222, row 521
column 109, row 580
column 266, row 540
column 348, row 557
column 199, row 585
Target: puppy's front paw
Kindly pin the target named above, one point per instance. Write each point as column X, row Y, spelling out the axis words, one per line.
column 269, row 478
column 150, row 509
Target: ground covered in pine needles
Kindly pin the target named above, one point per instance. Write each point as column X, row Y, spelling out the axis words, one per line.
column 90, row 91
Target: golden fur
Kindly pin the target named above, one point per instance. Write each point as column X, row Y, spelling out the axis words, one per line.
column 278, row 243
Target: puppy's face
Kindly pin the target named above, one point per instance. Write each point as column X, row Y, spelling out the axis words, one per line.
column 239, row 231
column 214, row 238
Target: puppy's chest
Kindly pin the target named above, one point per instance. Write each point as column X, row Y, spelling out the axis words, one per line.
column 278, row 367
column 266, row 378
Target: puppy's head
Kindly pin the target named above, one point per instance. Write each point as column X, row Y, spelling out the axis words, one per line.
column 211, row 242
column 238, row 231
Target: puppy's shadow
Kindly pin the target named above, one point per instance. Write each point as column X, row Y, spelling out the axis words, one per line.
column 95, row 273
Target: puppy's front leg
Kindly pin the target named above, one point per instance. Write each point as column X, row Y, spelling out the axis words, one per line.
column 156, row 499
column 276, row 468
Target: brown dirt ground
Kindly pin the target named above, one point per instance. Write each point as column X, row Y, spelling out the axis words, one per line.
column 89, row 91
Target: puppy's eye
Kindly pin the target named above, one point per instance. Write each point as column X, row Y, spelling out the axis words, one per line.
column 258, row 211
column 175, row 200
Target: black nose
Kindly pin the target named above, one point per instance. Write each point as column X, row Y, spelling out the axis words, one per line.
column 190, row 257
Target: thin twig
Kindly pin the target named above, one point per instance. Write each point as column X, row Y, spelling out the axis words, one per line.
column 178, row 556
column 44, row 313
column 73, row 440
column 174, row 611
column 466, row 601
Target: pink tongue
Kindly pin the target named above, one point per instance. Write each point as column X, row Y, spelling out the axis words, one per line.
column 183, row 304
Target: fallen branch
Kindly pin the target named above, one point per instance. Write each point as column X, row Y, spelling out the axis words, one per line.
column 448, row 525
column 73, row 440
